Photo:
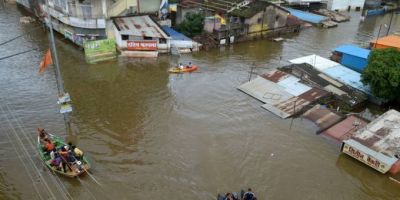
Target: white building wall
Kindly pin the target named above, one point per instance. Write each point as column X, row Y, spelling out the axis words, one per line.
column 344, row 4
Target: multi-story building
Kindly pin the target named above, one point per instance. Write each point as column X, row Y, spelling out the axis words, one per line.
column 80, row 20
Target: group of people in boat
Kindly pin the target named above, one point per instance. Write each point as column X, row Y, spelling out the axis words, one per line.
column 181, row 66
column 62, row 158
column 249, row 195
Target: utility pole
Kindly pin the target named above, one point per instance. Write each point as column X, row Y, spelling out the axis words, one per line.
column 60, row 84
column 390, row 23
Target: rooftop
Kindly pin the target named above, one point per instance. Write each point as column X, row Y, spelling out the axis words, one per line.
column 175, row 35
column 306, row 16
column 253, row 8
column 382, row 135
column 345, row 128
column 142, row 26
column 335, row 71
column 353, row 50
column 391, row 41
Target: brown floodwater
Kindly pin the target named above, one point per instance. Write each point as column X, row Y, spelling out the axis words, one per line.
column 154, row 135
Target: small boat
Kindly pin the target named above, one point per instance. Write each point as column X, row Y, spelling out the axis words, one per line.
column 185, row 69
column 73, row 169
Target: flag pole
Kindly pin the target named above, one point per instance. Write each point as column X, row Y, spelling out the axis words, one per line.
column 60, row 84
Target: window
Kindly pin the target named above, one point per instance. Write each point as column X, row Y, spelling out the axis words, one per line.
column 125, row 37
column 276, row 17
column 147, row 38
column 163, row 41
column 259, row 20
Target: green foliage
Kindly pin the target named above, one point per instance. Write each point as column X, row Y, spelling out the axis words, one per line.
column 192, row 25
column 383, row 73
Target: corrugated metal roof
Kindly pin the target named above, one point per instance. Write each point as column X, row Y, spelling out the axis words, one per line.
column 391, row 41
column 353, row 50
column 335, row 71
column 306, row 16
column 322, row 117
column 265, row 91
column 142, row 26
column 347, row 76
column 345, row 129
column 382, row 134
column 286, row 97
column 175, row 35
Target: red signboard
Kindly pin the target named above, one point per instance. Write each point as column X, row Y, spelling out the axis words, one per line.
column 142, row 45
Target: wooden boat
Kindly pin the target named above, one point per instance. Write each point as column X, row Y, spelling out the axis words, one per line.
column 185, row 69
column 72, row 169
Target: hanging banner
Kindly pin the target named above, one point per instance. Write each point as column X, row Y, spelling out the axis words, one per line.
column 142, row 45
column 100, row 50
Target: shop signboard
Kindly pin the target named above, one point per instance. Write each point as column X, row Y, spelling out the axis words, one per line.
column 142, row 45
column 100, row 50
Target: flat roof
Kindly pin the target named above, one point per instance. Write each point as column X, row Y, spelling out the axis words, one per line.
column 390, row 40
column 142, row 26
column 353, row 50
column 318, row 62
column 382, row 135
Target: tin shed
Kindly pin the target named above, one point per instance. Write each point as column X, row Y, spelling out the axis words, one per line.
column 351, row 56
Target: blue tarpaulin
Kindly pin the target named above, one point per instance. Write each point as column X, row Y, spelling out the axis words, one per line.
column 306, row 16
column 353, row 50
column 175, row 35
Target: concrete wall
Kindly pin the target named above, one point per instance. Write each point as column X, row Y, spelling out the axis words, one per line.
column 344, row 4
column 149, row 6
column 271, row 18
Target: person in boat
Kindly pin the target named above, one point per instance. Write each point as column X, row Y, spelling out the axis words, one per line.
column 190, row 65
column 64, row 154
column 57, row 162
column 42, row 134
column 48, row 146
column 180, row 66
column 229, row 196
column 78, row 154
column 249, row 195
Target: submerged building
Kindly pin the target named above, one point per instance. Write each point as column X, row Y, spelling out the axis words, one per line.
column 377, row 144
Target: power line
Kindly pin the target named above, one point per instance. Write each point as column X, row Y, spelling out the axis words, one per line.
column 16, row 54
column 12, row 39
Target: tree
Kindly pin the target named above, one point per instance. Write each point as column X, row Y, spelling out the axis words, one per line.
column 382, row 73
column 192, row 25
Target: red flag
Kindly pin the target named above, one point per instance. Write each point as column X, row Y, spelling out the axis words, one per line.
column 46, row 61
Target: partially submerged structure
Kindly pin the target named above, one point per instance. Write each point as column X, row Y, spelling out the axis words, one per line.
column 322, row 117
column 337, row 72
column 344, row 129
column 391, row 41
column 377, row 144
column 340, row 5
column 181, row 42
column 344, row 96
column 351, row 56
column 282, row 93
column 249, row 19
column 140, row 36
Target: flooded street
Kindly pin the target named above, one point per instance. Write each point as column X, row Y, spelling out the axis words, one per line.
column 151, row 134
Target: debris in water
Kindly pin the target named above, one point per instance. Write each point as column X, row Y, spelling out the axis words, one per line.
column 26, row 20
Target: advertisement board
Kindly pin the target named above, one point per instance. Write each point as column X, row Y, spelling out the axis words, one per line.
column 369, row 160
column 100, row 50
column 142, row 45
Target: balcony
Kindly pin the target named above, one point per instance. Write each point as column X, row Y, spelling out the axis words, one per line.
column 82, row 16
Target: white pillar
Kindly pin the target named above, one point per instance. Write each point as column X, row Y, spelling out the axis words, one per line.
column 104, row 8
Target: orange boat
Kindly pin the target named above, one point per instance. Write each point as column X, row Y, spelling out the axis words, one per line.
column 185, row 69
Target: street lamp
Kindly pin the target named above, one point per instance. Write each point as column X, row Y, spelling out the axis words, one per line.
column 379, row 33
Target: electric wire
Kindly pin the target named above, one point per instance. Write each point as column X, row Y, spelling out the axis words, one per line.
column 23, row 163
column 25, row 151
column 55, row 178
